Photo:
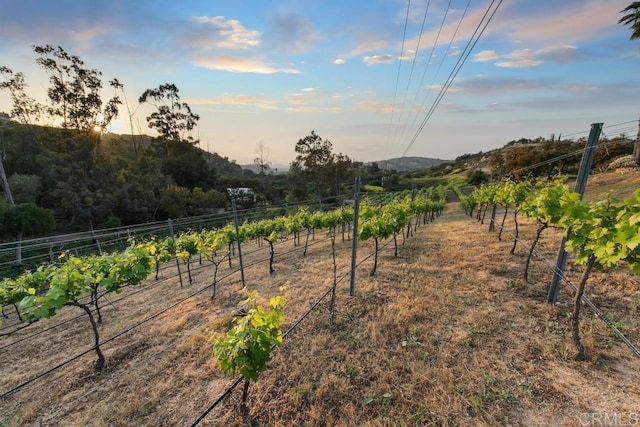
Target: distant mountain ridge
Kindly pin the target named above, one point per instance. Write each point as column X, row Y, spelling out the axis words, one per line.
column 409, row 164
column 400, row 164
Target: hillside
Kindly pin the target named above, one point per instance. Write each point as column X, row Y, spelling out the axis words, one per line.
column 408, row 164
column 447, row 333
column 92, row 181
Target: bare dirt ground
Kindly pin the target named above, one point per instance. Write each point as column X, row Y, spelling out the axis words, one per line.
column 447, row 333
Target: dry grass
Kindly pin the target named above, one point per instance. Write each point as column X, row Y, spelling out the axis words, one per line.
column 448, row 333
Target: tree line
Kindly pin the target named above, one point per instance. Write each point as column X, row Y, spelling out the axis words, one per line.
column 73, row 175
column 75, row 172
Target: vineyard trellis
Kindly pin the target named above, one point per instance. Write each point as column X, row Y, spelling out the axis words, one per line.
column 599, row 234
column 90, row 280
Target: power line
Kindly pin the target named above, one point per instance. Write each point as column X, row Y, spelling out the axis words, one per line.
column 413, row 63
column 456, row 69
column 395, row 92
column 565, row 156
column 444, row 56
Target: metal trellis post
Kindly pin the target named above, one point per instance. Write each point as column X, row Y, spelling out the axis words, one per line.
column 581, row 183
column 354, row 241
column 173, row 237
column 235, row 223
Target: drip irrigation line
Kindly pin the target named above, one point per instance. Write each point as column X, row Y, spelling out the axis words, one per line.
column 135, row 326
column 228, row 391
column 117, row 374
column 47, row 372
column 553, row 268
column 108, row 340
column 79, row 316
column 220, row 398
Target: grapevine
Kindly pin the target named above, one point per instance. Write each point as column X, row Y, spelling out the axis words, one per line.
column 600, row 234
column 246, row 348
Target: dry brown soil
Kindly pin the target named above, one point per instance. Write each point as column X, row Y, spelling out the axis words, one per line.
column 446, row 333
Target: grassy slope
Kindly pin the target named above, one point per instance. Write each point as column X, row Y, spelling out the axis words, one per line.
column 448, row 333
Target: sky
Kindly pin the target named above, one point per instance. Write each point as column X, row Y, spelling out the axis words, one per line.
column 366, row 75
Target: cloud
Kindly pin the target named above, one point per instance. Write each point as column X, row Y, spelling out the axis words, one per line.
column 291, row 33
column 522, row 58
column 561, row 54
column 408, row 55
column 570, row 22
column 581, row 96
column 313, row 100
column 77, row 37
column 234, row 64
column 377, row 106
column 307, row 96
column 312, row 109
column 378, row 59
column 532, row 23
column 498, row 85
column 339, row 61
column 522, row 63
column 485, row 56
column 582, row 88
column 237, row 100
column 366, row 47
column 75, row 27
column 218, row 32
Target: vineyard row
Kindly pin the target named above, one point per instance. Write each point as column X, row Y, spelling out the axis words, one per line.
column 600, row 234
column 83, row 281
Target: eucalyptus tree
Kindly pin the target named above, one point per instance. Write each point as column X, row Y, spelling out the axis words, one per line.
column 317, row 165
column 173, row 119
column 25, row 109
column 75, row 91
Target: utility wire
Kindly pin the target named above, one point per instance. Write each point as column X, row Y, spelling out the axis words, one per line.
column 553, row 268
column 406, row 127
column 463, row 58
column 395, row 92
column 413, row 63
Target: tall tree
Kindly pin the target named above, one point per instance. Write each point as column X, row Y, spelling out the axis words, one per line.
column 6, row 188
column 632, row 19
column 316, row 170
column 75, row 91
column 262, row 158
column 25, row 109
column 315, row 162
column 173, row 119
